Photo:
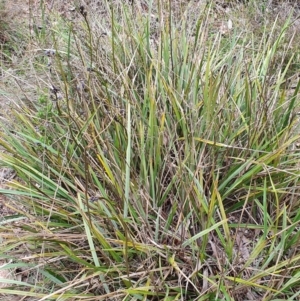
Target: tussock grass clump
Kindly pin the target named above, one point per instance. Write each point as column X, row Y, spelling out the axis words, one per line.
column 158, row 162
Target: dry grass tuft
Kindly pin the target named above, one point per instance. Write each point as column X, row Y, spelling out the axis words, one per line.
column 152, row 152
